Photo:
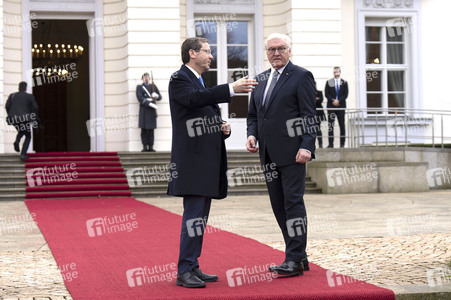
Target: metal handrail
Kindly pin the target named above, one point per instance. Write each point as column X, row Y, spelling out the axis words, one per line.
column 394, row 127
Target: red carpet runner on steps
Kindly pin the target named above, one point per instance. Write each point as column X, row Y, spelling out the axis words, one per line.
column 121, row 248
column 75, row 174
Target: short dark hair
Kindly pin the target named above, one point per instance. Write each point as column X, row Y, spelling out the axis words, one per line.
column 22, row 86
column 194, row 43
column 337, row 68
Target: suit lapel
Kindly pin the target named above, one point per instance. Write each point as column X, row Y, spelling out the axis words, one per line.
column 196, row 82
column 193, row 78
column 282, row 78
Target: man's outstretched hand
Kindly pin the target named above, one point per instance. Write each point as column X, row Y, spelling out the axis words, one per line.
column 244, row 85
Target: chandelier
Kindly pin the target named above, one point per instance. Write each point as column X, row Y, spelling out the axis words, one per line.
column 50, row 56
column 56, row 51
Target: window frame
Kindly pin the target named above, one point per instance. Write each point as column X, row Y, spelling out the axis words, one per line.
column 221, row 45
column 413, row 88
column 384, row 67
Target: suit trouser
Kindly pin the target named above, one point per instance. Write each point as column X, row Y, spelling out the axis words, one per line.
column 24, row 130
column 147, row 137
column 340, row 114
column 195, row 217
column 286, row 193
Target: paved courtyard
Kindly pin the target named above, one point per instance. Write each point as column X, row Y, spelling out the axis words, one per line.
column 391, row 240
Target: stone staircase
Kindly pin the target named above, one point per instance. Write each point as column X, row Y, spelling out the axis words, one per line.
column 12, row 177
column 246, row 177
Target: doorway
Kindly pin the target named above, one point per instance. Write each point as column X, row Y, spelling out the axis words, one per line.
column 60, row 79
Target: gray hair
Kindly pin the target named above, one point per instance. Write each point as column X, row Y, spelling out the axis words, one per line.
column 278, row 36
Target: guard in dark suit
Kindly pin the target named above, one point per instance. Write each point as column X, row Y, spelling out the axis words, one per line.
column 336, row 92
column 320, row 116
column 198, row 155
column 147, row 94
column 22, row 113
column 281, row 118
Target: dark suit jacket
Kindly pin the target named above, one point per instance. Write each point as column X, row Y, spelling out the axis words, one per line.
column 293, row 97
column 22, row 106
column 147, row 114
column 330, row 93
column 319, row 104
column 198, row 150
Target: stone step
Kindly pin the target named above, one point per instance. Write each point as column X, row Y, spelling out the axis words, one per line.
column 18, row 196
column 12, row 184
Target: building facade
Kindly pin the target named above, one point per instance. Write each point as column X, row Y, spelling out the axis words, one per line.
column 83, row 59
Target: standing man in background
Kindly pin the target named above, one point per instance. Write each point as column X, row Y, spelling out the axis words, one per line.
column 281, row 118
column 336, row 92
column 22, row 113
column 147, row 94
column 198, row 155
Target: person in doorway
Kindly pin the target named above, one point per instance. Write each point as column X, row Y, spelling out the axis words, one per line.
column 147, row 94
column 22, row 113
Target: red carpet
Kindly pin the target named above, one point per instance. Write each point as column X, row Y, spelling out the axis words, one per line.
column 121, row 248
column 75, row 174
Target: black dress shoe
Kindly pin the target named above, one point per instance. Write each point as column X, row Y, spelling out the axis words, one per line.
column 190, row 280
column 23, row 158
column 205, row 277
column 289, row 268
column 16, row 147
column 305, row 263
column 330, row 146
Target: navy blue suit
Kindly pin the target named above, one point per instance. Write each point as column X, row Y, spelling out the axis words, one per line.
column 198, row 157
column 331, row 93
column 283, row 126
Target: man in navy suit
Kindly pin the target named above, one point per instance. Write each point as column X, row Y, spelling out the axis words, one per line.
column 281, row 118
column 336, row 92
column 198, row 156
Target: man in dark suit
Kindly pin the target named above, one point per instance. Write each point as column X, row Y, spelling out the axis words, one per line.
column 281, row 118
column 22, row 113
column 147, row 94
column 198, row 156
column 336, row 92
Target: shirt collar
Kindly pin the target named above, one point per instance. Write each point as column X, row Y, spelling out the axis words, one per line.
column 280, row 70
column 194, row 72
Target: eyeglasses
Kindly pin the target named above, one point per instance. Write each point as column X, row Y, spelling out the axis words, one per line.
column 206, row 51
column 280, row 49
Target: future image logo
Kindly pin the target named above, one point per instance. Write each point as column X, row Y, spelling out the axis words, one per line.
column 109, row 225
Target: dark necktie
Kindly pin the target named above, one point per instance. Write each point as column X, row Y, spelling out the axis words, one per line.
column 271, row 88
column 337, row 88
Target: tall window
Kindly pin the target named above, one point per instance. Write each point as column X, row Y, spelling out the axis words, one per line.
column 229, row 42
column 386, row 64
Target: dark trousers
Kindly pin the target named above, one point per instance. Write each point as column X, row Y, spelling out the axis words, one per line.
column 23, row 130
column 195, row 217
column 340, row 115
column 147, row 137
column 319, row 133
column 286, row 193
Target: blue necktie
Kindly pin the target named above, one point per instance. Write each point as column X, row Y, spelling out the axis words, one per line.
column 337, row 89
column 201, row 81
